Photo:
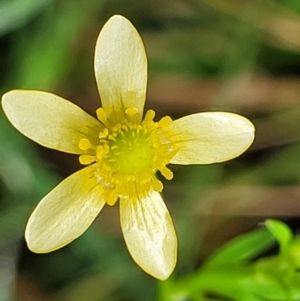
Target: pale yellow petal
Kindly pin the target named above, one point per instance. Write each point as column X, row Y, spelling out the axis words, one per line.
column 206, row 138
column 149, row 234
column 121, row 66
column 66, row 212
column 48, row 119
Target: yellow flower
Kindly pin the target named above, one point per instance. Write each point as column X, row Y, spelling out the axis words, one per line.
column 123, row 152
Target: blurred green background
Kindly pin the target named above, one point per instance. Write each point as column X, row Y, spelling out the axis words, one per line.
column 228, row 55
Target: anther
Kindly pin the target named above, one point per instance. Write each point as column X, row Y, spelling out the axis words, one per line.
column 149, row 116
column 113, row 197
column 167, row 173
column 99, row 152
column 116, row 127
column 102, row 116
column 86, row 159
column 157, row 185
column 85, row 144
column 131, row 111
column 104, row 133
column 165, row 121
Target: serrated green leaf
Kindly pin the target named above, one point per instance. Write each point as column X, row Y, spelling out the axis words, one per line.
column 243, row 248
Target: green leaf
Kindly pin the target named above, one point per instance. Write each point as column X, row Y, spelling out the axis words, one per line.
column 281, row 232
column 16, row 13
column 243, row 248
column 267, row 287
column 294, row 251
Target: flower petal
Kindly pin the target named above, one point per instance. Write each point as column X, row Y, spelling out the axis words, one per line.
column 206, row 138
column 149, row 234
column 66, row 212
column 121, row 66
column 48, row 119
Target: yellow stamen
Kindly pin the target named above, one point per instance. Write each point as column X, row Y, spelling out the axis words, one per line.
column 113, row 197
column 165, row 121
column 167, row 173
column 86, row 159
column 157, row 185
column 149, row 116
column 85, row 144
column 104, row 133
column 99, row 152
column 129, row 153
column 102, row 116
column 131, row 111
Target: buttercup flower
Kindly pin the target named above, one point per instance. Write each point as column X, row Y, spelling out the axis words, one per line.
column 122, row 152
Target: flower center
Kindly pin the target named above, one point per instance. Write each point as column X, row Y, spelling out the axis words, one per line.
column 131, row 150
column 129, row 153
